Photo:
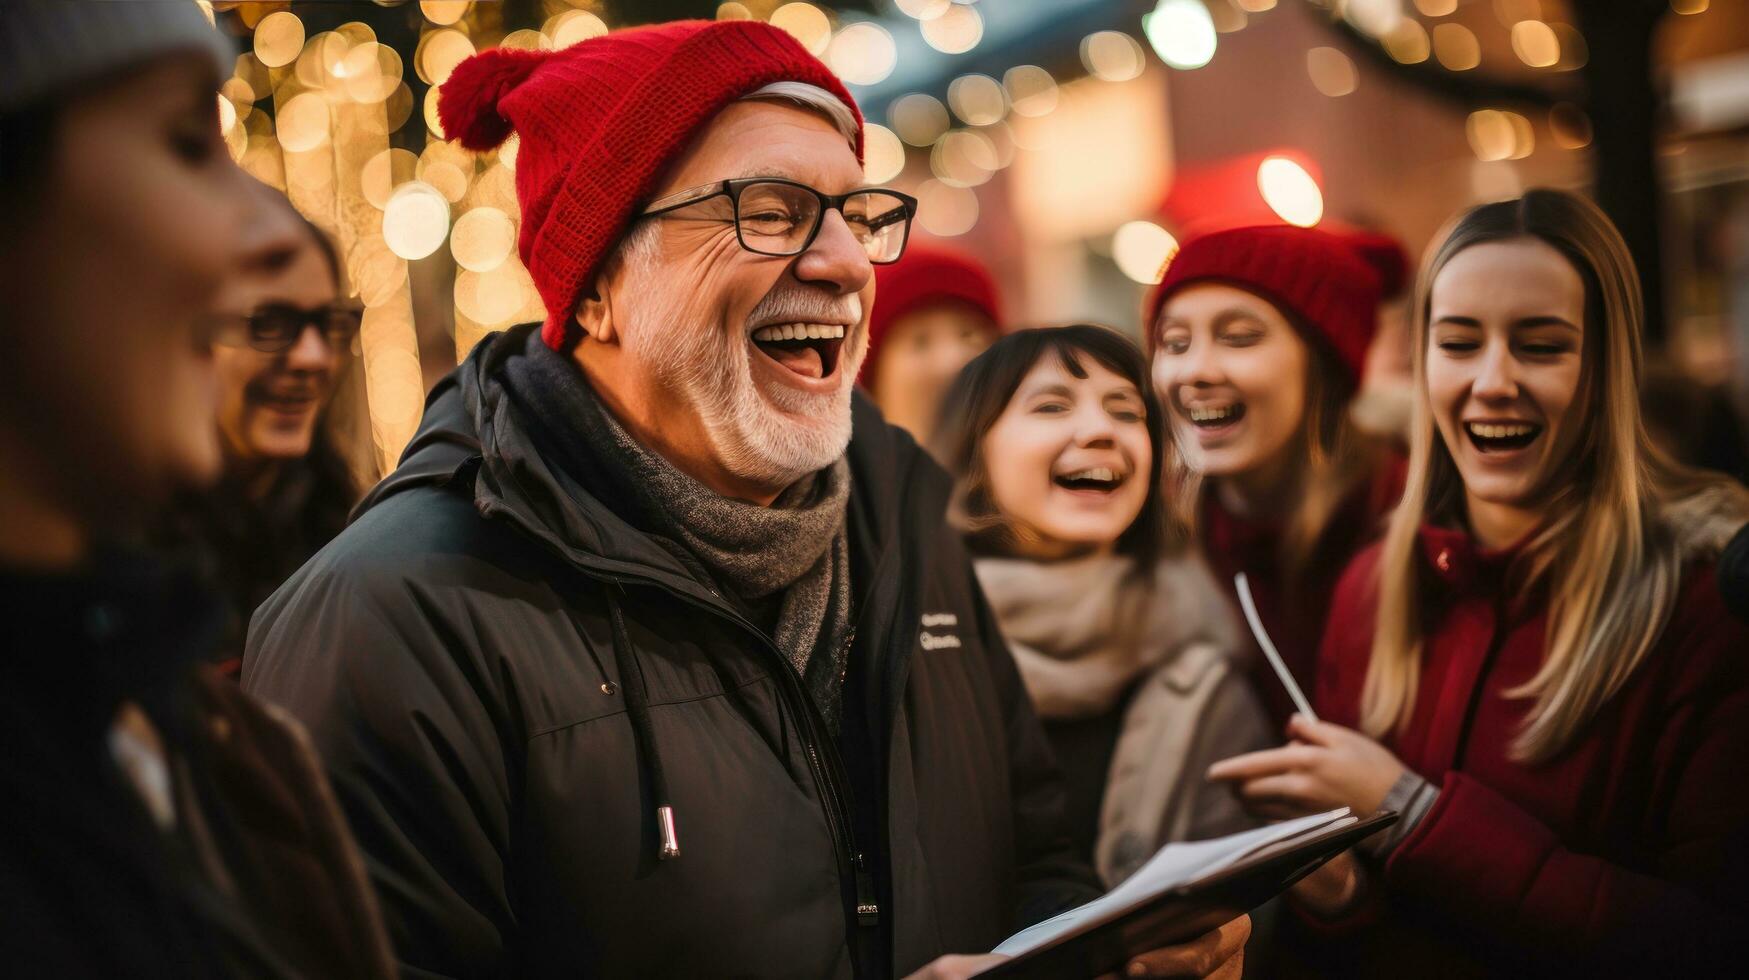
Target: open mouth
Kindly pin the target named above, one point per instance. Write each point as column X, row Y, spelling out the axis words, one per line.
column 1215, row 416
column 808, row 349
column 1501, row 437
column 1093, row 479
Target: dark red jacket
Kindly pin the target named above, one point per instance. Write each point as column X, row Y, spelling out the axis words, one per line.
column 1293, row 611
column 1627, row 854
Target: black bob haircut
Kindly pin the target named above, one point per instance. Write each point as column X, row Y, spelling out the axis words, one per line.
column 982, row 391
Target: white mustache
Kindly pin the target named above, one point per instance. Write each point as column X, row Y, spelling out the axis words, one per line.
column 805, row 306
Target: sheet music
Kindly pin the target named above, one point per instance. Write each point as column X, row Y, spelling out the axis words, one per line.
column 1173, row 865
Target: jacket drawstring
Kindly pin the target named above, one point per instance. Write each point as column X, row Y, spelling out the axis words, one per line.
column 638, row 710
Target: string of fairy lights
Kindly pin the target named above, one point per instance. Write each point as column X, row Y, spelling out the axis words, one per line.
column 323, row 117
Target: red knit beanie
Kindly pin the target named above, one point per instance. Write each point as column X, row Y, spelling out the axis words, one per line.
column 600, row 120
column 1329, row 285
column 924, row 276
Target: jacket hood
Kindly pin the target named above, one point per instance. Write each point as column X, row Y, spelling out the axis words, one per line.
column 475, row 431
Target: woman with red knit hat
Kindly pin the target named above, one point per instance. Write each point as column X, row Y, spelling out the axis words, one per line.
column 1258, row 336
column 935, row 309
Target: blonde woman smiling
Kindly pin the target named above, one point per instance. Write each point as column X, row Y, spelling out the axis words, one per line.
column 1535, row 667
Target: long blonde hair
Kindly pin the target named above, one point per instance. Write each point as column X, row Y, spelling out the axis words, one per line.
column 1605, row 553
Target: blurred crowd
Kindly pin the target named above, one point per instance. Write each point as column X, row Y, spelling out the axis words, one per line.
column 780, row 607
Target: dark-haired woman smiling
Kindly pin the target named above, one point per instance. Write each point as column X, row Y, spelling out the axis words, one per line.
column 1121, row 636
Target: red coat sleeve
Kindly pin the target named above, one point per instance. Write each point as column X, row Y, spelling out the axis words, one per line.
column 1496, row 872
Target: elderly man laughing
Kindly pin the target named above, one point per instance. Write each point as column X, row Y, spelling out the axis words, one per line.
column 640, row 663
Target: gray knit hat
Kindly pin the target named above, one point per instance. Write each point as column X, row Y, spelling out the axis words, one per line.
column 46, row 45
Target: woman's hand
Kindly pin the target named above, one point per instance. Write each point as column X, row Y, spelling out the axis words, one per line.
column 1327, row 766
column 1332, row 889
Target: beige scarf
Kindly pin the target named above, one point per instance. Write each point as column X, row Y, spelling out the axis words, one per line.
column 1084, row 632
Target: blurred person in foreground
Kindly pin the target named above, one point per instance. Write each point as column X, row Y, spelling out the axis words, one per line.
column 1258, row 336
column 1534, row 667
column 285, row 490
column 1122, row 637
column 935, row 309
column 640, row 663
column 157, row 822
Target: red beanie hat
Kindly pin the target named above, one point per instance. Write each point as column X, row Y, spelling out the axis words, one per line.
column 1329, row 285
column 600, row 120
column 924, row 276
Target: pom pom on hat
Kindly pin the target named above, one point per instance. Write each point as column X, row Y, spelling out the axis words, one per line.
column 467, row 104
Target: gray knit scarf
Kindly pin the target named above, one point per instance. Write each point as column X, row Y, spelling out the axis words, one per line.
column 793, row 556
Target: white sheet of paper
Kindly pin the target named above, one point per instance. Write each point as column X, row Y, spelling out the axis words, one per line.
column 1173, row 865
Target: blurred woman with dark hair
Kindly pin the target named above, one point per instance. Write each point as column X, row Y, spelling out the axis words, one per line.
column 1258, row 337
column 157, row 822
column 286, row 488
column 1534, row 668
column 1121, row 636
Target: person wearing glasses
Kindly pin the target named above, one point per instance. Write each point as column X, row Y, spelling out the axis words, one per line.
column 284, row 337
column 655, row 656
column 157, row 822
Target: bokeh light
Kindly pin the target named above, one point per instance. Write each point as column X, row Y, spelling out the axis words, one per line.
column 1456, row 47
column 1031, row 90
column 1569, row 126
column 372, row 72
column 1331, row 71
column 527, row 39
column 1112, row 56
column 806, row 23
column 956, row 30
column 490, row 298
column 1690, row 6
column 1436, row 8
column 733, row 11
column 1181, row 33
column 1256, row 6
column 1535, row 44
column 946, row 211
column 1574, row 51
column 433, row 123
column 438, row 54
column 482, row 239
column 1141, row 248
column 384, row 172
column 1375, row 18
column 923, row 9
column 862, row 54
column 1495, row 134
column 303, row 122
column 416, row 220
column 963, row 158
column 574, row 26
column 443, row 12
column 977, row 99
column 1290, row 191
column 919, row 119
column 1408, row 44
column 883, row 154
column 279, row 39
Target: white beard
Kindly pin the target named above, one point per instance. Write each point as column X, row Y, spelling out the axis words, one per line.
column 772, row 437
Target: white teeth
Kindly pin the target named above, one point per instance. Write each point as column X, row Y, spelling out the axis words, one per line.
column 800, row 331
column 1487, row 431
column 1101, row 473
column 1212, row 414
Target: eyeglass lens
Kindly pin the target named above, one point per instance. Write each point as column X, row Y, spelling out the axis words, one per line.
column 778, row 219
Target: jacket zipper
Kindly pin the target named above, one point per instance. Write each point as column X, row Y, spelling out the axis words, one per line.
column 828, row 773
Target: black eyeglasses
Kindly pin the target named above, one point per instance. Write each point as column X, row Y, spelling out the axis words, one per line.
column 276, row 328
column 780, row 217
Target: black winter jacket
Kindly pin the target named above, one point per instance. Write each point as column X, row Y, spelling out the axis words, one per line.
column 506, row 681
